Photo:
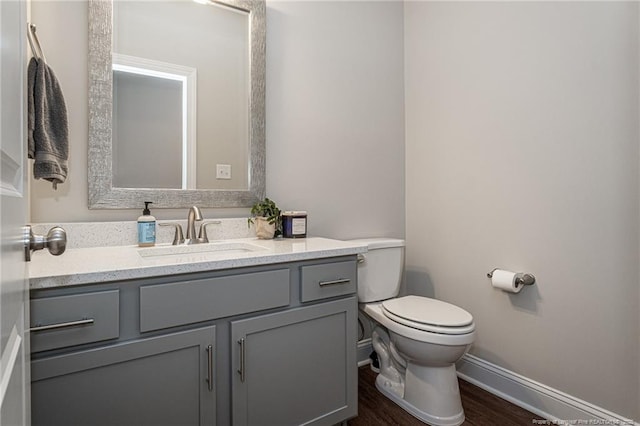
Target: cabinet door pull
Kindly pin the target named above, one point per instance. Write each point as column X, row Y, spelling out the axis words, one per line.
column 241, row 370
column 84, row 321
column 334, row 282
column 210, row 367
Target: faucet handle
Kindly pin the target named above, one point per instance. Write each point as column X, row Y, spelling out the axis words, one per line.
column 202, row 235
column 178, row 237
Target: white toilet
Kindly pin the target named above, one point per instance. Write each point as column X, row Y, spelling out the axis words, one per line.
column 417, row 339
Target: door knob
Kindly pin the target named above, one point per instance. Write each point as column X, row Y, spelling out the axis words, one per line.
column 55, row 241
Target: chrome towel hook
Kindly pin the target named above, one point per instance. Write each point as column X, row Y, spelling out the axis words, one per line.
column 36, row 48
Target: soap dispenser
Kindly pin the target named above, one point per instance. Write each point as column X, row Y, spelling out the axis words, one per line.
column 146, row 227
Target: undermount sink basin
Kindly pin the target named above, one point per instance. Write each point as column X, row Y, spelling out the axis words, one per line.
column 219, row 248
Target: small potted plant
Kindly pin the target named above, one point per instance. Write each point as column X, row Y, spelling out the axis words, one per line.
column 265, row 215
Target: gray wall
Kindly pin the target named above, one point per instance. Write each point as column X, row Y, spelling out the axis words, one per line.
column 522, row 153
column 146, row 156
column 335, row 135
column 335, row 115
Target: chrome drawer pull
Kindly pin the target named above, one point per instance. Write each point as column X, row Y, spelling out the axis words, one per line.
column 210, row 367
column 241, row 370
column 334, row 282
column 83, row 321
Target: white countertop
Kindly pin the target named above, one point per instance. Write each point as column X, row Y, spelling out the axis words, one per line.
column 103, row 264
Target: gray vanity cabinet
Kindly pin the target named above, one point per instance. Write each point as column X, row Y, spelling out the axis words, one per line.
column 155, row 381
column 295, row 367
column 167, row 350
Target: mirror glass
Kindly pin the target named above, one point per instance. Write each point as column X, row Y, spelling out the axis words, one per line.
column 176, row 103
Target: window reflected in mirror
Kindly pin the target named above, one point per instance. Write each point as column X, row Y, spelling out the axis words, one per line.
column 150, row 116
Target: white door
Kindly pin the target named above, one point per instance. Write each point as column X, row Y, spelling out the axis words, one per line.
column 14, row 297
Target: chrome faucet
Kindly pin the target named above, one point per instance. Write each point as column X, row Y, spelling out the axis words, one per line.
column 194, row 215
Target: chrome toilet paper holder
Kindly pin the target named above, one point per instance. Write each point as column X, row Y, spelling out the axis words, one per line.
column 521, row 278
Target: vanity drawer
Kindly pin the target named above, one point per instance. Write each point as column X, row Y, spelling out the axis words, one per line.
column 61, row 321
column 328, row 280
column 187, row 302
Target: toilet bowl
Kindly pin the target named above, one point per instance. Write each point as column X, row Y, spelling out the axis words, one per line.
column 417, row 339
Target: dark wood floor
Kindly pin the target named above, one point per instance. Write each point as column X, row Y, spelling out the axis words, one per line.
column 480, row 407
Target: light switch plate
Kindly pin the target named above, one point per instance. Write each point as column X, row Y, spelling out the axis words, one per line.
column 223, row 171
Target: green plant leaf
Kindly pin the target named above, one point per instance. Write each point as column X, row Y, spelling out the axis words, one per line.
column 268, row 209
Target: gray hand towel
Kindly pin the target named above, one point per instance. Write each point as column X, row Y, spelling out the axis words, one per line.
column 48, row 128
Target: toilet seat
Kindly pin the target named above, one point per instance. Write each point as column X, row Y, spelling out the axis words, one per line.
column 376, row 312
column 431, row 315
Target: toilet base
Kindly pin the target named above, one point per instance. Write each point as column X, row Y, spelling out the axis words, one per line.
column 395, row 392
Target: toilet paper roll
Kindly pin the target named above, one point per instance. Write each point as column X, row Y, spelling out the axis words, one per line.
column 506, row 280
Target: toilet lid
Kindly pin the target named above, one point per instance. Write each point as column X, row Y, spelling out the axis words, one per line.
column 428, row 312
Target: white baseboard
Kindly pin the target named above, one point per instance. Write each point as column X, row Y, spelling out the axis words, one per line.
column 364, row 350
column 542, row 400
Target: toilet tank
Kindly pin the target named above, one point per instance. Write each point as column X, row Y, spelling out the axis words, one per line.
column 380, row 271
